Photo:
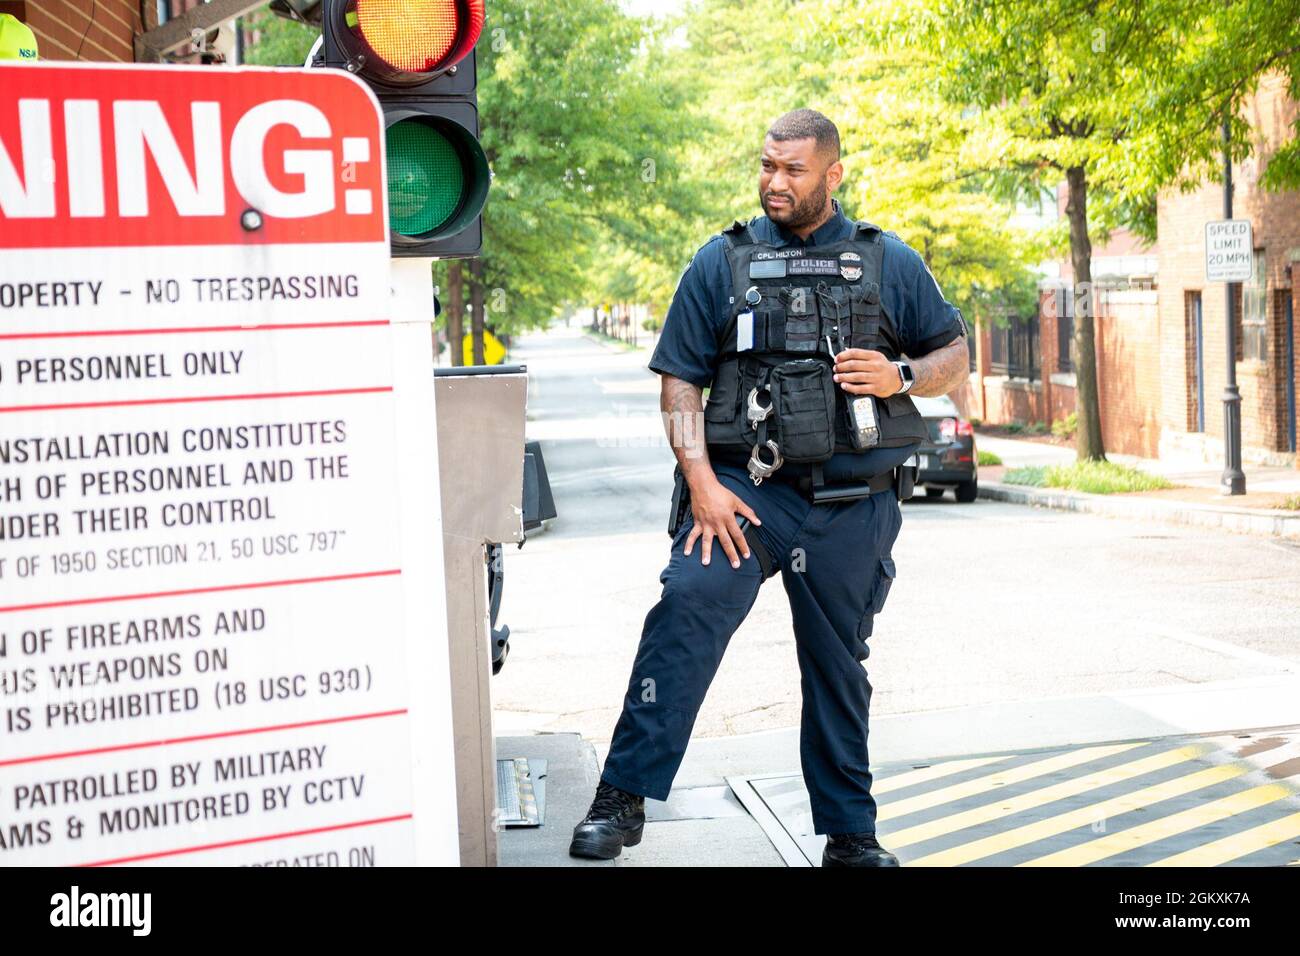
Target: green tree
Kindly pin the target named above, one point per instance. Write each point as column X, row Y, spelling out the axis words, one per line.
column 276, row 41
column 904, row 146
column 1227, row 49
column 910, row 165
column 578, row 125
column 1057, row 84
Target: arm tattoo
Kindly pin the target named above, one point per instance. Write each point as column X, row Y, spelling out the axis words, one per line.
column 942, row 370
column 682, row 407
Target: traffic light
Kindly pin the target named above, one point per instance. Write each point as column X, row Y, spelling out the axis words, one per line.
column 418, row 57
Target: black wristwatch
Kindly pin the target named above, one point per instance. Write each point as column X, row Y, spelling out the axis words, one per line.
column 907, row 375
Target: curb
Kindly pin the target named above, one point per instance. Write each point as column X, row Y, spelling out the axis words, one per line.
column 1238, row 520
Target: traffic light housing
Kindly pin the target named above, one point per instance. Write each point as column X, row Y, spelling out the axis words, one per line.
column 418, row 57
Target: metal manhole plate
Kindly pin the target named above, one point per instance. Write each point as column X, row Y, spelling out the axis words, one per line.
column 519, row 804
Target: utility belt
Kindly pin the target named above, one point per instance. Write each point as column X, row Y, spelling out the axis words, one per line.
column 901, row 479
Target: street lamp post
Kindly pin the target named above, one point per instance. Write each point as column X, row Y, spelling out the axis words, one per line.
column 1234, row 479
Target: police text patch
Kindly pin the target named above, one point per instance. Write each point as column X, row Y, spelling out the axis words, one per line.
column 814, row 267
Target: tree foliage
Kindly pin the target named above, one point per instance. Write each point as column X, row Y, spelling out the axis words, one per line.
column 901, row 143
column 277, row 41
column 1226, row 50
column 1118, row 98
column 578, row 125
column 618, row 145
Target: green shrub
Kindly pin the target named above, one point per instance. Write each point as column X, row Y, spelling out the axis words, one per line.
column 988, row 460
column 1014, row 428
column 652, row 324
column 1093, row 477
column 1032, row 476
column 1102, row 478
column 976, row 422
column 1292, row 503
column 1037, row 428
column 1067, row 426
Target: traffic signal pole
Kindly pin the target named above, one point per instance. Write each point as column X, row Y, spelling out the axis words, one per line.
column 422, row 68
column 479, row 456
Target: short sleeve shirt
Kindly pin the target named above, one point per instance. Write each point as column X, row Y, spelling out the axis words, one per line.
column 701, row 311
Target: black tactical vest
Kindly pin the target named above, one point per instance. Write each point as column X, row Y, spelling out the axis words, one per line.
column 799, row 297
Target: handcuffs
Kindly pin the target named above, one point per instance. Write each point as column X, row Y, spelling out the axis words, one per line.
column 757, row 414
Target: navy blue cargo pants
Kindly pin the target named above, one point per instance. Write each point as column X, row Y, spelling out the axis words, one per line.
column 837, row 569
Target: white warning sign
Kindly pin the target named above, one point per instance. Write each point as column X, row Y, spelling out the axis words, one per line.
column 207, row 627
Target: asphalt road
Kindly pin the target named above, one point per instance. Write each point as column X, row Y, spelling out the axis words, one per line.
column 993, row 602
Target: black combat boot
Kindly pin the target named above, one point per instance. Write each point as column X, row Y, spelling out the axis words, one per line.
column 614, row 821
column 856, row 849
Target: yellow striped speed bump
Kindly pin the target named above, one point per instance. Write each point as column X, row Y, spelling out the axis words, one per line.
column 1061, row 823
column 1179, row 801
column 1174, row 824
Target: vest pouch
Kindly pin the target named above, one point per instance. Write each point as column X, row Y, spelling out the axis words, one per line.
column 723, row 404
column 865, row 321
column 907, row 427
column 804, row 395
column 835, row 305
column 802, row 324
column 769, row 325
column 896, row 405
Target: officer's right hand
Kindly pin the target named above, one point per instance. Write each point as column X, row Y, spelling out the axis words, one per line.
column 714, row 509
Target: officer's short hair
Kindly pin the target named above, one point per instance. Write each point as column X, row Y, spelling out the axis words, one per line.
column 808, row 124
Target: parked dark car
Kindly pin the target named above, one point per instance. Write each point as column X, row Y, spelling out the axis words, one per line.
column 948, row 459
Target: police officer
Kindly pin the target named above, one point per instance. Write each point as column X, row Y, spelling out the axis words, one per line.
column 812, row 332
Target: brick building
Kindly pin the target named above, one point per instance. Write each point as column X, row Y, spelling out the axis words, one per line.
column 104, row 31
column 101, row 31
column 1159, row 326
column 1192, row 326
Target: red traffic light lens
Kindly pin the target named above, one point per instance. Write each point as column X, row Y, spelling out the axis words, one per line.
column 418, row 36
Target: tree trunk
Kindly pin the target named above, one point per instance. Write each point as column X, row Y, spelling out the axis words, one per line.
column 455, row 313
column 1087, row 439
column 476, row 298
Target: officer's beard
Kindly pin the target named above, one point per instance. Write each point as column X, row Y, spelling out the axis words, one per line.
column 799, row 214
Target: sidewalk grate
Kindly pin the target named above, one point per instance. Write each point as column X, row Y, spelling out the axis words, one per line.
column 518, row 803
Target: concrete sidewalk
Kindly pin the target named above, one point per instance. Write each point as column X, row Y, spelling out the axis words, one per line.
column 1196, row 501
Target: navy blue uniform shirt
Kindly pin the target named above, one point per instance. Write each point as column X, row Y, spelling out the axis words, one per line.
column 701, row 311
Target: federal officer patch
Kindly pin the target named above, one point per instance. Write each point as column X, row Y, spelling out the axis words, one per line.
column 813, row 267
column 850, row 266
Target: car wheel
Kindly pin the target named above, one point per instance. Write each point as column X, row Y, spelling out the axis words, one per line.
column 931, row 491
column 968, row 491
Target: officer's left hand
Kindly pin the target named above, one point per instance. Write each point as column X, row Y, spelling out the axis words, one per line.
column 864, row 372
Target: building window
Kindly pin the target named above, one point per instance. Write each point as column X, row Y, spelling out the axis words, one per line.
column 1065, row 330
column 1194, row 350
column 1254, row 313
column 1014, row 348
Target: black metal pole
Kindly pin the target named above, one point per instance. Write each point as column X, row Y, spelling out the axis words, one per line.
column 1234, row 479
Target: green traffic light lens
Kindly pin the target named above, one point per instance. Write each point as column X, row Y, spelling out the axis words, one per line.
column 426, row 178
